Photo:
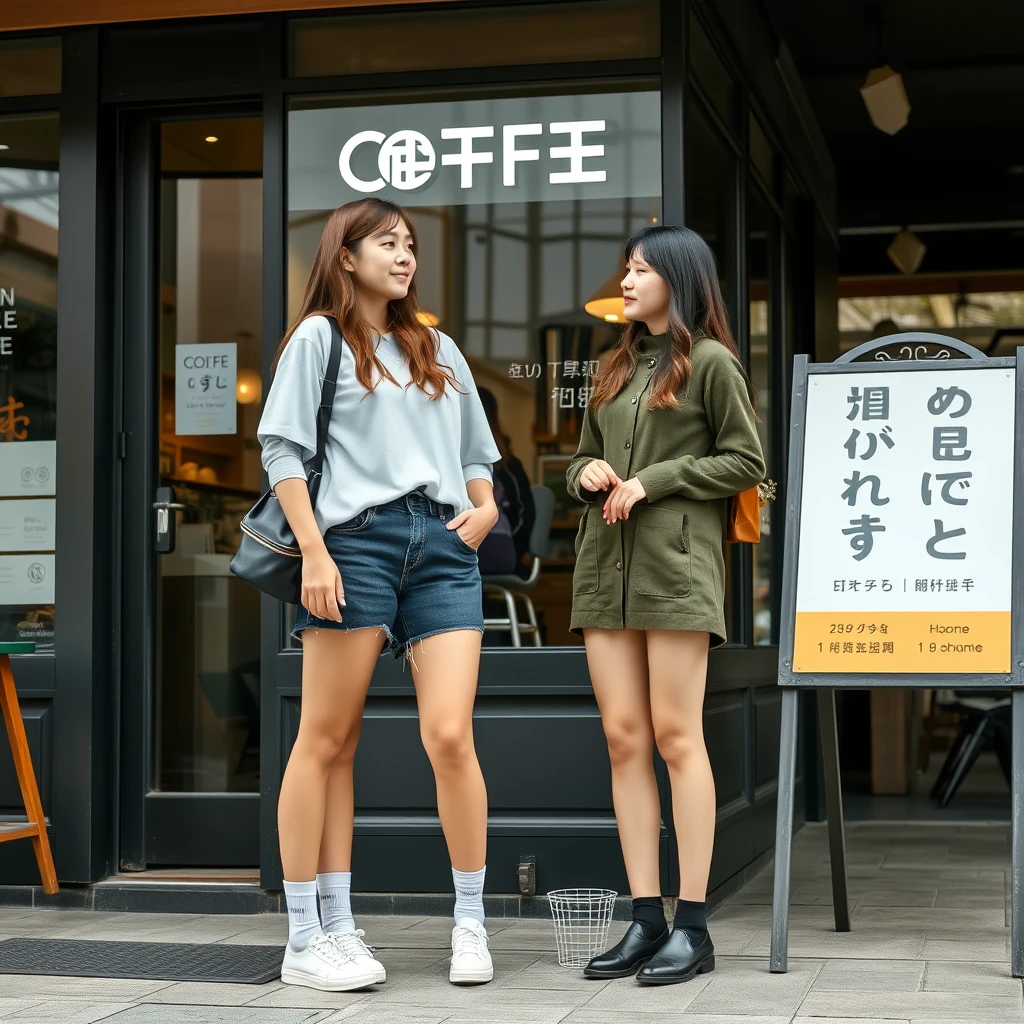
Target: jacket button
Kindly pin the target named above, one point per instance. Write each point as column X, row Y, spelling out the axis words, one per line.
column 651, row 362
column 618, row 565
column 633, row 400
column 626, row 445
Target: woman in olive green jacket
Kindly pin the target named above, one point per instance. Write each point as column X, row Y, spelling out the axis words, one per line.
column 668, row 437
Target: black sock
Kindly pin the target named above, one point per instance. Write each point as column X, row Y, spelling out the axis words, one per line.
column 693, row 919
column 649, row 913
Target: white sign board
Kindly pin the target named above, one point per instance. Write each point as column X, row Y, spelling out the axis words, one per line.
column 204, row 389
column 26, row 580
column 28, row 525
column 906, row 522
column 28, row 468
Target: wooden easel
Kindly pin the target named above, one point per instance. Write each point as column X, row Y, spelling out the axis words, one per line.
column 35, row 827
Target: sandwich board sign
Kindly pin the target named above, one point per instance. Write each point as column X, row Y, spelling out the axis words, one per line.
column 903, row 557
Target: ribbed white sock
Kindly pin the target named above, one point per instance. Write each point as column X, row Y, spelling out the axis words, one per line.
column 303, row 921
column 469, row 893
column 335, row 889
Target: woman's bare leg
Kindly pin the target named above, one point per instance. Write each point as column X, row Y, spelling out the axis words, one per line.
column 336, row 672
column 445, row 670
column 617, row 659
column 678, row 664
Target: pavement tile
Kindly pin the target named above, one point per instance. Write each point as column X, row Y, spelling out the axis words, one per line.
column 869, row 976
column 978, row 1009
column 990, row 978
column 66, row 1012
column 745, row 986
column 42, row 988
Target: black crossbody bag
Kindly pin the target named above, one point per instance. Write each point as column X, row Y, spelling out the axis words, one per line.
column 268, row 556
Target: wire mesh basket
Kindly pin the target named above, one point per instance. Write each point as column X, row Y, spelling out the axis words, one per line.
column 582, row 919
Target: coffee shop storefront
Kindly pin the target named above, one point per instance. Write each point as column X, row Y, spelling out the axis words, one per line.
column 187, row 169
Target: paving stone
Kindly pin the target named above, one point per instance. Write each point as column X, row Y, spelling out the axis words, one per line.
column 869, row 976
column 66, row 1012
column 978, row 1009
column 989, row 945
column 42, row 988
column 745, row 986
column 930, row 917
column 990, row 978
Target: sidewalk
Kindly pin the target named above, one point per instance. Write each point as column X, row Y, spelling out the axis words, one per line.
column 930, row 944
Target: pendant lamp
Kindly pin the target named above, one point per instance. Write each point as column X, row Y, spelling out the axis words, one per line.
column 606, row 303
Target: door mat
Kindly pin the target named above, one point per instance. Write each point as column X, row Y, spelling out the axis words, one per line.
column 172, row 1013
column 155, row 961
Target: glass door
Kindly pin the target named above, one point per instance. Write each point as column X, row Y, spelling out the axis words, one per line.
column 192, row 385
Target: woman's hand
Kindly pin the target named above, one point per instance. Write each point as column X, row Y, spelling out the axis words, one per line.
column 322, row 592
column 618, row 504
column 475, row 523
column 598, row 476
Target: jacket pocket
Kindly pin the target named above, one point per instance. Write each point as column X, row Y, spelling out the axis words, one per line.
column 661, row 556
column 586, row 577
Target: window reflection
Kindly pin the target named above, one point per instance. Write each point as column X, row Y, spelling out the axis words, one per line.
column 28, row 375
column 508, row 281
column 759, row 268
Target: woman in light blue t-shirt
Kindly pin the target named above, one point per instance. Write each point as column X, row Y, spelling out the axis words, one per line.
column 389, row 565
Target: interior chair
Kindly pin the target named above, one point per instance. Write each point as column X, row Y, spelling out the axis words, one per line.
column 984, row 721
column 509, row 586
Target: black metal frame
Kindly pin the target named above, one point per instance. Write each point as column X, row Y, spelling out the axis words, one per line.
column 155, row 827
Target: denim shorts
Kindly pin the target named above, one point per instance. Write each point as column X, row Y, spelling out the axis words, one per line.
column 405, row 572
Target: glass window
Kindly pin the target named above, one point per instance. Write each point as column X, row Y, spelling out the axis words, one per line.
column 762, row 156
column 28, row 376
column 549, row 33
column 30, row 67
column 711, row 73
column 711, row 212
column 762, row 350
column 511, row 250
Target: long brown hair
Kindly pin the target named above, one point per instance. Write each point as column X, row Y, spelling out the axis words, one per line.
column 330, row 292
column 696, row 309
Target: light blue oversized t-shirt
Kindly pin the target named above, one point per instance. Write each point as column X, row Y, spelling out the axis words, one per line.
column 381, row 444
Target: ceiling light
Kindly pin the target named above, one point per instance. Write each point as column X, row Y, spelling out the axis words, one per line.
column 248, row 387
column 3, row 145
column 606, row 303
column 212, row 138
column 906, row 251
column 886, row 99
column 427, row 318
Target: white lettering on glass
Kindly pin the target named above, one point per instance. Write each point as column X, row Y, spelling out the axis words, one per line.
column 576, row 152
column 512, row 155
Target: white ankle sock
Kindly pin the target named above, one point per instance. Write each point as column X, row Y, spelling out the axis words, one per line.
column 303, row 922
column 335, row 889
column 469, row 894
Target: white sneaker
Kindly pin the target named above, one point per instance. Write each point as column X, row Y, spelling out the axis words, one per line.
column 329, row 966
column 351, row 942
column 471, row 960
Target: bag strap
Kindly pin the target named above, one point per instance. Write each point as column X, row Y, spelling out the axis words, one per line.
column 323, row 416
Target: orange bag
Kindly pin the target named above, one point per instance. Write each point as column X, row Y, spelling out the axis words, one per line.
column 745, row 513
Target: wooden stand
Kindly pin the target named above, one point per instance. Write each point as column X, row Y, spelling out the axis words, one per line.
column 35, row 827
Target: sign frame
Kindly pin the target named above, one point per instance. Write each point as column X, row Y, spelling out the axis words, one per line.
column 913, row 348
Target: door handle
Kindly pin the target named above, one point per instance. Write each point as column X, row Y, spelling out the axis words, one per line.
column 165, row 522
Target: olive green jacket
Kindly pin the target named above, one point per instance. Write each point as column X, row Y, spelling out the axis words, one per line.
column 664, row 566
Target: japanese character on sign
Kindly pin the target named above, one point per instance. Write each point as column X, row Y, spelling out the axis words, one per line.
column 564, row 397
column 854, row 484
column 944, row 398
column 515, row 370
column 944, row 535
column 945, row 441
column 861, row 535
column 875, row 403
column 948, row 480
column 883, row 436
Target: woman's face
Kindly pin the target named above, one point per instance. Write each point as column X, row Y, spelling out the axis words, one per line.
column 385, row 263
column 646, row 295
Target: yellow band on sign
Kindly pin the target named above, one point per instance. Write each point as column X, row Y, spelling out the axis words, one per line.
column 927, row 642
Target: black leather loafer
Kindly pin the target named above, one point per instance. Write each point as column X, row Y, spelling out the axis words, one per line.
column 632, row 951
column 678, row 960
